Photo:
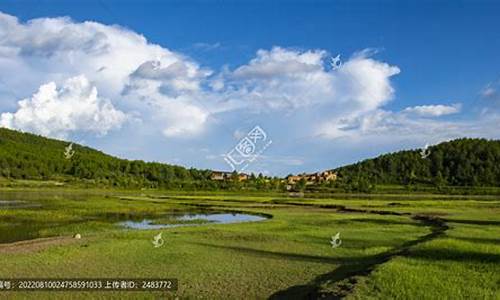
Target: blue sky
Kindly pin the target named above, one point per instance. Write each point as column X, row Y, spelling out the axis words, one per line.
column 412, row 74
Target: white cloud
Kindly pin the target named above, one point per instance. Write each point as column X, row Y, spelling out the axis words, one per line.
column 365, row 82
column 188, row 121
column 434, row 110
column 290, row 79
column 296, row 91
column 158, row 85
column 280, row 62
column 113, row 58
column 280, row 79
column 75, row 106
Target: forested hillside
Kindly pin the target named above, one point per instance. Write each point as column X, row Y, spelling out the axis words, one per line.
column 28, row 156
column 462, row 162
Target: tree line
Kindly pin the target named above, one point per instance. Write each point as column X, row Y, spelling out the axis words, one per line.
column 461, row 162
column 29, row 156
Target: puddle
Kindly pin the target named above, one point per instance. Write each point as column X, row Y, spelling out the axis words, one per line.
column 191, row 219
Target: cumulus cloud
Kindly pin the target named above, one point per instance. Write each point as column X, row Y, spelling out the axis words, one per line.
column 75, row 106
column 188, row 121
column 175, row 92
column 292, row 79
column 276, row 79
column 179, row 76
column 114, row 59
column 434, row 110
column 366, row 82
column 280, row 62
column 59, row 77
column 177, row 114
column 99, row 74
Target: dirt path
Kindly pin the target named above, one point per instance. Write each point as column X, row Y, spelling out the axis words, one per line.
column 343, row 279
column 36, row 245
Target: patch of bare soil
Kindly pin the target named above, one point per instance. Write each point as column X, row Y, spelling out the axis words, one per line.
column 36, row 245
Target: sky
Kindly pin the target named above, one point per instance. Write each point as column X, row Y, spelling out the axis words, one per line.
column 327, row 83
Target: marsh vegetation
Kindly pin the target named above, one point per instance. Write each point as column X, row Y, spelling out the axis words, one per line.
column 392, row 246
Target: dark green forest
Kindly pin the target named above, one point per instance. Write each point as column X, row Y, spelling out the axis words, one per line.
column 28, row 156
column 461, row 162
column 33, row 157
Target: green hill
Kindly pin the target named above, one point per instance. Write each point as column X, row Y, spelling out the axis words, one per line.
column 28, row 156
column 461, row 162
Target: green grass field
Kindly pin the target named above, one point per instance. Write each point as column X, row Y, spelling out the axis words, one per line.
column 393, row 247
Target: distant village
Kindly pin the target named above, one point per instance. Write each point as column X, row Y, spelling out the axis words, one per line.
column 222, row 175
column 291, row 180
column 313, row 178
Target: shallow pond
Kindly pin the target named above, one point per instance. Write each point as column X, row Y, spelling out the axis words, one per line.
column 191, row 219
column 13, row 230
